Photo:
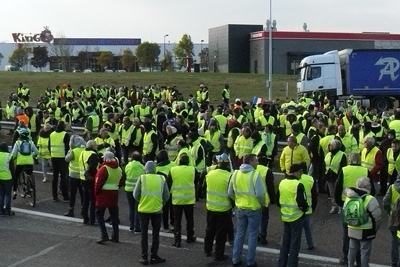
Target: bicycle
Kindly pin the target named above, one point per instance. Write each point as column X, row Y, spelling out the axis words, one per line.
column 27, row 187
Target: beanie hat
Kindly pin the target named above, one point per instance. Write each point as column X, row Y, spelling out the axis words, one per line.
column 295, row 168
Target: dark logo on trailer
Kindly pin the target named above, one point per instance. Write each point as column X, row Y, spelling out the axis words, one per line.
column 46, row 36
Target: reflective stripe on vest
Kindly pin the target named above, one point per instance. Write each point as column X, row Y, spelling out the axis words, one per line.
column 5, row 173
column 113, row 178
column 244, row 188
column 368, row 160
column 350, row 177
column 73, row 166
column 151, row 195
column 182, row 190
column 217, row 190
column 393, row 164
column 147, row 143
column 333, row 163
column 290, row 211
column 43, row 147
column 308, row 183
column 85, row 155
column 57, row 149
column 132, row 171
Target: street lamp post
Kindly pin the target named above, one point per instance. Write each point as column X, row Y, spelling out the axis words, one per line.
column 269, row 83
column 164, row 43
column 201, row 53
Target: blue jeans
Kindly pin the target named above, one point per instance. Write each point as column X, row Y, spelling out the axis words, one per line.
column 246, row 220
column 307, row 231
column 395, row 248
column 134, row 219
column 5, row 196
column 291, row 242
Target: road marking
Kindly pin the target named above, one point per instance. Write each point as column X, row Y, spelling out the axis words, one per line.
column 169, row 235
column 41, row 253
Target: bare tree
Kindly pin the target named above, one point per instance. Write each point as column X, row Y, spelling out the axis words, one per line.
column 62, row 50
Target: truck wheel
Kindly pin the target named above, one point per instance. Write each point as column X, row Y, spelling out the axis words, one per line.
column 381, row 104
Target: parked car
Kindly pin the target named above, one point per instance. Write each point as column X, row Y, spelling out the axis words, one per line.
column 87, row 71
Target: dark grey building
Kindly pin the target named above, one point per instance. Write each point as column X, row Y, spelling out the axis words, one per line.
column 289, row 48
column 229, row 48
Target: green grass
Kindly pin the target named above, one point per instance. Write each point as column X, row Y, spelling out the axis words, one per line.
column 243, row 86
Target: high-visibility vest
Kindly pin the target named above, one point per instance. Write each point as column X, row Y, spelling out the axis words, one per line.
column 367, row 225
column 43, row 147
column 24, row 159
column 57, row 149
column 183, row 189
column 347, row 125
column 324, row 142
column 299, row 137
column 395, row 125
column 173, row 152
column 85, row 155
column 69, row 93
column 243, row 146
column 126, row 135
column 151, row 193
column 194, row 154
column 214, row 139
column 349, row 143
column 230, row 137
column 257, row 148
column 10, row 111
column 395, row 195
column 147, row 143
column 199, row 95
column 101, row 141
column 290, row 211
column 142, row 112
column 73, row 166
column 132, row 171
column 113, row 178
column 362, row 138
column 114, row 134
column 5, row 173
column 244, row 189
column 165, row 169
column 308, row 183
column 263, row 173
column 217, row 191
column 271, row 143
column 75, row 114
column 222, row 122
column 227, row 93
column 333, row 163
column 350, row 176
column 32, row 123
column 182, row 151
column 95, row 124
column 368, row 160
column 138, row 136
column 394, row 164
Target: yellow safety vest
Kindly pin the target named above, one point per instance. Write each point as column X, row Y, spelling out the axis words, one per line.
column 100, row 141
column 166, row 168
column 183, row 190
column 43, row 147
column 57, row 149
column 113, row 178
column 257, row 148
column 263, row 173
column 126, row 135
column 147, row 143
column 243, row 146
column 394, row 164
column 333, row 163
column 368, row 161
column 217, row 191
column 138, row 136
column 350, row 176
column 132, row 171
column 151, row 195
column 186, row 151
column 290, row 211
column 395, row 125
column 73, row 165
column 85, row 155
column 308, row 183
column 95, row 124
column 270, row 144
column 172, row 153
column 194, row 153
column 324, row 142
column 244, row 189
column 5, row 173
column 222, row 122
column 214, row 139
column 361, row 139
column 113, row 135
column 32, row 122
column 227, row 93
column 230, row 136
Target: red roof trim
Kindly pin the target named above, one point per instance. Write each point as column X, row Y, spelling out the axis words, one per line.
column 325, row 35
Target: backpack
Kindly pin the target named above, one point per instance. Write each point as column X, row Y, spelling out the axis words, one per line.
column 354, row 213
column 25, row 148
column 394, row 216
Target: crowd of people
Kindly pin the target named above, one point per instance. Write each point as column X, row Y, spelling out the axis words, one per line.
column 168, row 152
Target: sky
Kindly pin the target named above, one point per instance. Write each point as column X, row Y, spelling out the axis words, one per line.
column 150, row 20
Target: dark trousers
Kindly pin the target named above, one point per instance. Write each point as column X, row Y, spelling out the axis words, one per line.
column 88, row 209
column 318, row 176
column 114, row 221
column 178, row 211
column 126, row 151
column 291, row 241
column 168, row 214
column 345, row 246
column 5, row 196
column 229, row 228
column 75, row 186
column 59, row 170
column 384, row 179
column 264, row 223
column 217, row 225
column 156, row 225
column 118, row 153
column 18, row 171
column 134, row 219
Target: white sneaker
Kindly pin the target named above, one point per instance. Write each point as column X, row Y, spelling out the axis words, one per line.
column 44, row 180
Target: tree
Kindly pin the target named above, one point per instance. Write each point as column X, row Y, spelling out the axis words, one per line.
column 204, row 58
column 19, row 57
column 1, row 57
column 147, row 54
column 183, row 49
column 62, row 50
column 105, row 59
column 40, row 57
column 166, row 63
column 127, row 59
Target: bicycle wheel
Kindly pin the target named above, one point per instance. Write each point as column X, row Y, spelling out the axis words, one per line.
column 22, row 190
column 32, row 190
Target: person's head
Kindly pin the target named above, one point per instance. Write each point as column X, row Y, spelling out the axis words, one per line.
column 332, row 129
column 369, row 142
column 295, row 128
column 170, row 130
column 366, row 127
column 349, row 112
column 291, row 142
column 108, row 156
column 162, row 156
column 341, row 131
column 391, row 134
column 255, row 136
column 4, row 147
column 223, row 161
column 395, row 145
column 250, row 159
column 315, row 122
column 91, row 144
column 182, row 143
column 268, row 128
column 364, row 183
column 103, row 133
column 136, row 156
column 150, row 167
column 126, row 121
column 23, row 134
column 296, row 170
column 246, row 132
column 354, row 158
column 184, row 160
column 47, row 127
column 334, row 145
column 111, row 117
column 76, row 141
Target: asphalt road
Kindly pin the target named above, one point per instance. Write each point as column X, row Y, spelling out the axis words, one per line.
column 41, row 236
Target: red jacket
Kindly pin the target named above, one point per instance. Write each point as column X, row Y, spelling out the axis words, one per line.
column 105, row 198
column 379, row 165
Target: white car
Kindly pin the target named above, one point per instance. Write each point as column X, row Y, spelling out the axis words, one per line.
column 87, row 71
column 109, row 71
column 121, row 71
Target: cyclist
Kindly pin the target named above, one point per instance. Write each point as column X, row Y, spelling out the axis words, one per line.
column 23, row 151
